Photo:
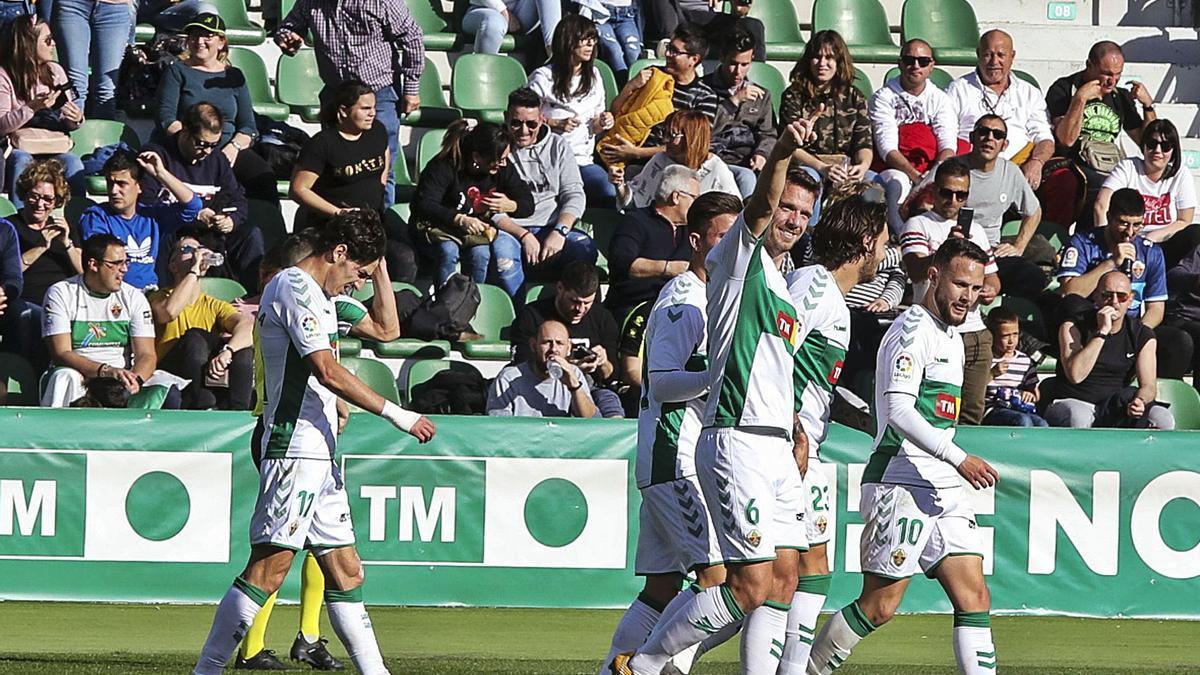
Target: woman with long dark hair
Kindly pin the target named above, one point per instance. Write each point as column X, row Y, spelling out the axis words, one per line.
column 573, row 100
column 459, row 194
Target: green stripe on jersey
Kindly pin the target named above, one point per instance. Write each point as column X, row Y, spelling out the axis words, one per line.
column 99, row 334
column 937, row 402
column 291, row 399
column 819, row 362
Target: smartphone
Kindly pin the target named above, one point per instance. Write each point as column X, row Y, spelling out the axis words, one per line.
column 229, row 209
column 580, row 353
column 965, row 216
column 63, row 90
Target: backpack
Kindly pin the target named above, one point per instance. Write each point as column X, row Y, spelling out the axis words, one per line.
column 142, row 68
column 446, row 315
column 279, row 144
column 450, row 392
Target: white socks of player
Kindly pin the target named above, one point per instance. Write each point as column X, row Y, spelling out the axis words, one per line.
column 762, row 638
column 634, row 628
column 838, row 637
column 353, row 627
column 802, row 622
column 234, row 616
column 973, row 646
column 706, row 613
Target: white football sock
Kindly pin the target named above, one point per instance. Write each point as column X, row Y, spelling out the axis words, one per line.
column 802, row 623
column 837, row 639
column 686, row 660
column 762, row 638
column 353, row 627
column 706, row 613
column 973, row 646
column 234, row 616
column 632, row 630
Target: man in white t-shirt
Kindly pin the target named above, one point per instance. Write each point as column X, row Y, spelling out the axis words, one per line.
column 914, row 124
column 95, row 325
column 922, row 236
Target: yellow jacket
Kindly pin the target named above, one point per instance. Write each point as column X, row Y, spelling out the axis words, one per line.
column 647, row 107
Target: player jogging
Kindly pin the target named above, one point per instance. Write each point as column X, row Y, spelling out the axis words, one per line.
column 847, row 246
column 302, row 501
column 913, row 500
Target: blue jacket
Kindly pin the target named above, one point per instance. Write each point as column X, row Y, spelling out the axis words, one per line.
column 142, row 234
column 11, row 278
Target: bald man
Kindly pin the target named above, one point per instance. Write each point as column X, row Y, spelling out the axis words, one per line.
column 991, row 88
column 547, row 384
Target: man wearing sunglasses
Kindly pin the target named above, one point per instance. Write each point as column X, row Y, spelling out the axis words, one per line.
column 914, row 124
column 922, row 236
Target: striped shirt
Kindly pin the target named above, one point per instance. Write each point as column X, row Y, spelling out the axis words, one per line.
column 354, row 40
column 694, row 96
column 1020, row 376
column 888, row 283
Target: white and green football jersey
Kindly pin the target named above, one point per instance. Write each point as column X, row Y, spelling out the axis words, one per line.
column 921, row 356
column 675, row 340
column 752, row 336
column 101, row 326
column 824, row 339
column 295, row 319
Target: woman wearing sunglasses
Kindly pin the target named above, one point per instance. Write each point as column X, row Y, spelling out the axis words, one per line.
column 1167, row 187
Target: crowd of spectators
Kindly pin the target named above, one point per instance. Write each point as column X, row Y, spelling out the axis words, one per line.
column 987, row 159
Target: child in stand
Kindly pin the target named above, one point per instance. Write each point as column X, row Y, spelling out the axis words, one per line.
column 1013, row 391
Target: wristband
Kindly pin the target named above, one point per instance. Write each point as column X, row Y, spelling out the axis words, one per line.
column 399, row 417
column 575, row 388
column 523, row 235
column 1147, row 108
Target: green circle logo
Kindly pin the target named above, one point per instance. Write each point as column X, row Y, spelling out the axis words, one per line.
column 556, row 512
column 157, row 506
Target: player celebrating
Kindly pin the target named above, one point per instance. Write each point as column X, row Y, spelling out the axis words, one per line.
column 848, row 245
column 744, row 458
column 913, row 501
column 675, row 532
column 302, row 500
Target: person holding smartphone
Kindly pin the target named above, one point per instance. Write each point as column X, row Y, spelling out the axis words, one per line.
column 49, row 244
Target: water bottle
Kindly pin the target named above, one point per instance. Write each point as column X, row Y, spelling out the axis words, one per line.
column 214, row 259
column 555, row 369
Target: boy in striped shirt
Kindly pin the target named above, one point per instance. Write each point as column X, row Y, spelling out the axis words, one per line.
column 1013, row 390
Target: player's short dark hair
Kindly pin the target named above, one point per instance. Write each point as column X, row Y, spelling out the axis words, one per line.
column 1126, row 202
column 692, row 38
column 738, row 41
column 122, row 160
column 95, row 246
column 524, row 98
column 359, row 229
column 708, row 206
column 796, row 175
column 581, row 278
column 849, row 227
column 1001, row 315
column 954, row 247
column 298, row 247
column 952, row 168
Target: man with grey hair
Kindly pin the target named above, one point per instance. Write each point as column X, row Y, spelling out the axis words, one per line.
column 652, row 247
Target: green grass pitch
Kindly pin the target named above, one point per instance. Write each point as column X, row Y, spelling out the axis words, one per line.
column 71, row 638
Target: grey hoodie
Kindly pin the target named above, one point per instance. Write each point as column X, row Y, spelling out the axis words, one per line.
column 549, row 167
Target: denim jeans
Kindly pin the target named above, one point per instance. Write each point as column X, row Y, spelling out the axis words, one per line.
column 387, row 113
column 579, row 247
column 896, row 186
column 10, row 10
column 599, row 190
column 490, row 26
column 621, row 38
column 1005, row 417
column 92, row 35
column 19, row 160
column 499, row 263
column 746, row 179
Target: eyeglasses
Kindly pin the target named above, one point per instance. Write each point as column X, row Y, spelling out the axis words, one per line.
column 984, row 132
column 188, row 248
column 588, row 40
column 672, row 50
column 690, row 194
column 117, row 264
column 1119, row 296
column 921, row 61
column 45, row 199
column 204, row 145
column 675, row 135
column 1152, row 144
column 947, row 193
column 528, row 124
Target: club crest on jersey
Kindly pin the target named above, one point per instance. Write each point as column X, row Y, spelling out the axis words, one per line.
column 835, row 374
column 902, row 371
column 754, row 537
column 898, row 557
column 1139, row 269
column 787, row 327
column 115, row 310
column 292, row 530
column 822, row 523
column 946, row 406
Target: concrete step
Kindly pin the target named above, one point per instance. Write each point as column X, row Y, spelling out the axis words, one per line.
column 1185, row 116
column 1144, row 44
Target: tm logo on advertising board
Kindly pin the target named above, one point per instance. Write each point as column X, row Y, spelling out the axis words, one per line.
column 490, row 512
column 115, row 506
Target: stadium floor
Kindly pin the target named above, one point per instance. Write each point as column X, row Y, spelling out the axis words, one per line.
column 73, row 638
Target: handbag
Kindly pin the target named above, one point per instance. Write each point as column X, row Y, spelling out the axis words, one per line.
column 433, row 234
column 37, row 141
column 1100, row 155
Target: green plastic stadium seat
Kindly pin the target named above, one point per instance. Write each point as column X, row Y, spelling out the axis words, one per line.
column 641, row 64
column 19, row 377
column 429, row 145
column 539, row 291
column 481, row 83
column 1185, row 402
column 297, row 84
column 239, row 29
column 1028, row 78
column 439, row 36
column 98, row 133
column 939, row 77
column 222, row 289
column 368, row 290
column 374, row 374
column 769, row 77
column 7, row 208
column 75, row 208
column 408, row 348
column 348, row 346
column 949, row 25
column 434, row 110
column 261, row 94
column 784, row 42
column 863, row 83
column 610, row 82
column 603, row 223
column 422, row 371
column 405, row 185
column 863, row 24
column 1047, row 366
column 494, row 316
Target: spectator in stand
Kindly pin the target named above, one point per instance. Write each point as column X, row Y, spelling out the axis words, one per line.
column 591, row 327
column 97, row 326
column 545, row 162
column 460, row 193
column 822, row 88
column 490, row 20
column 1119, row 246
column 683, row 54
column 871, row 303
column 653, row 246
column 914, row 124
column 547, row 384
column 139, row 226
column 992, row 89
column 91, row 36
column 1013, row 391
column 573, row 101
column 203, row 75
column 688, row 140
column 384, row 34
column 1166, row 185
column 49, row 243
column 996, row 186
column 1088, row 112
column 744, row 131
column 1095, row 366
column 619, row 27
column 189, row 154
column 724, row 24
column 201, row 338
column 1183, row 305
column 922, row 236
column 12, row 307
column 37, row 107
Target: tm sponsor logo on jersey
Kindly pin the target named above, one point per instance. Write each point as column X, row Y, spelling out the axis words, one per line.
column 946, row 406
column 788, row 327
column 836, row 373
